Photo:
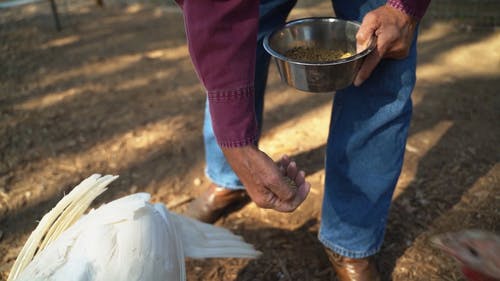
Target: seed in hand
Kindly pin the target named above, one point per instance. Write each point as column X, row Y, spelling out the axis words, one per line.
column 291, row 183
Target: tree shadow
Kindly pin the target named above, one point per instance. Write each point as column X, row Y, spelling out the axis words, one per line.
column 73, row 126
column 99, row 38
column 467, row 151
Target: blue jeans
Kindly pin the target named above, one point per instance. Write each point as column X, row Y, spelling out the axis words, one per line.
column 366, row 143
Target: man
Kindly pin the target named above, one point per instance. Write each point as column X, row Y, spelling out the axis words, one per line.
column 368, row 130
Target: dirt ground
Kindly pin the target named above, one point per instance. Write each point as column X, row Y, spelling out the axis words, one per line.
column 115, row 92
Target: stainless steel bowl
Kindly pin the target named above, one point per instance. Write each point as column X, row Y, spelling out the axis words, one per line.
column 327, row 33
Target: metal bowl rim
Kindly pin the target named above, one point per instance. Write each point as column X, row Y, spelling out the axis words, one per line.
column 277, row 55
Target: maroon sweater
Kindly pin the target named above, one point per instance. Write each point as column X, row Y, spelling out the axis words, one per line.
column 222, row 38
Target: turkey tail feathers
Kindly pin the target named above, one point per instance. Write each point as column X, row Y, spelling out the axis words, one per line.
column 202, row 240
column 65, row 240
column 67, row 211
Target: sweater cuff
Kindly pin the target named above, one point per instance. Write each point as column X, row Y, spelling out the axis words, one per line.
column 233, row 116
column 414, row 8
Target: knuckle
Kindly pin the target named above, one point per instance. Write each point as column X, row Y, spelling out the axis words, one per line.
column 275, row 178
column 370, row 17
column 382, row 48
column 289, row 194
column 267, row 200
column 262, row 203
column 360, row 36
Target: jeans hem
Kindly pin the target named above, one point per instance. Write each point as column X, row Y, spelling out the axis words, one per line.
column 224, row 184
column 348, row 253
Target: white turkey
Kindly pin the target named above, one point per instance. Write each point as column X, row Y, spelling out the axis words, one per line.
column 125, row 239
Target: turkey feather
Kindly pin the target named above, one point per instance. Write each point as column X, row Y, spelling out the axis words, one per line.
column 126, row 239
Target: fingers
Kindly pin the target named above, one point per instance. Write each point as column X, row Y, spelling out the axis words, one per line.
column 386, row 40
column 279, row 195
column 265, row 180
column 366, row 32
column 288, row 167
column 385, row 37
column 282, row 188
column 287, row 193
column 294, row 203
column 292, row 170
column 371, row 61
column 299, row 191
column 300, row 179
column 263, row 197
column 283, row 163
column 272, row 201
column 393, row 31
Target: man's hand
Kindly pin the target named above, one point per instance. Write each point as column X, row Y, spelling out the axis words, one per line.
column 393, row 31
column 265, row 181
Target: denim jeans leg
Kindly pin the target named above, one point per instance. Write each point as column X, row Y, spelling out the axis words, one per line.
column 364, row 156
column 272, row 14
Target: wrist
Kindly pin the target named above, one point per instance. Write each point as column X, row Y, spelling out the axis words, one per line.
column 240, row 157
column 403, row 19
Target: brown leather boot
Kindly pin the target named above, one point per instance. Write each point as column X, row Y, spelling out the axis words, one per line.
column 349, row 269
column 216, row 202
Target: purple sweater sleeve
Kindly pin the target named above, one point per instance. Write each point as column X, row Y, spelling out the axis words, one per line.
column 222, row 38
column 414, row 8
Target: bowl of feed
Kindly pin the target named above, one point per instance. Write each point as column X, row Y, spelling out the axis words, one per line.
column 317, row 54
